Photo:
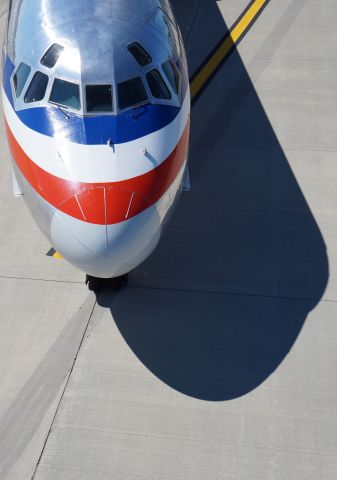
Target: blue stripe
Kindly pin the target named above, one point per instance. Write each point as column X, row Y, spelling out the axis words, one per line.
column 121, row 128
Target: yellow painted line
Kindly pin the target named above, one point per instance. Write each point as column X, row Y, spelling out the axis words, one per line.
column 54, row 254
column 226, row 46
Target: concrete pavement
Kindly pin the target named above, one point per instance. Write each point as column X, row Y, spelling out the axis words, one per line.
column 218, row 361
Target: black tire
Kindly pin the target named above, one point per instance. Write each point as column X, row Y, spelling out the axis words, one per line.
column 93, row 283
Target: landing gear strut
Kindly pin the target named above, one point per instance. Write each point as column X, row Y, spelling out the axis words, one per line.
column 116, row 283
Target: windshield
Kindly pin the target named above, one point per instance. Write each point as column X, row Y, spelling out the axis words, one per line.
column 20, row 78
column 131, row 93
column 140, row 54
column 157, row 85
column 66, row 94
column 99, row 98
column 172, row 75
column 52, row 55
column 37, row 88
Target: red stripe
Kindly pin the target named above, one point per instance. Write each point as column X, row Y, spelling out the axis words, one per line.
column 102, row 203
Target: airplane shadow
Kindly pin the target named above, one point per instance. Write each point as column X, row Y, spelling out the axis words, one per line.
column 215, row 310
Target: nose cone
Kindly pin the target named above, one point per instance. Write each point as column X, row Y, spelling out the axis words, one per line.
column 110, row 239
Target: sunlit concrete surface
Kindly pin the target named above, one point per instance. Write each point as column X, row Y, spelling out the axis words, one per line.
column 219, row 359
column 43, row 316
column 41, row 328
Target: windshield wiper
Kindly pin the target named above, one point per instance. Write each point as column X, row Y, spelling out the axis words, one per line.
column 140, row 110
column 61, row 110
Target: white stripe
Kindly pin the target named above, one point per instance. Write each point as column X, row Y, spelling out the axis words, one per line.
column 97, row 163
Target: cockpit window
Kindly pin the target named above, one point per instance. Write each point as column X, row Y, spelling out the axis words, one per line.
column 157, row 85
column 99, row 98
column 52, row 55
column 65, row 94
column 20, row 78
column 140, row 54
column 131, row 93
column 172, row 75
column 37, row 88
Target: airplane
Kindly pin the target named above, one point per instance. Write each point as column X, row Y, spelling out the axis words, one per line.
column 96, row 102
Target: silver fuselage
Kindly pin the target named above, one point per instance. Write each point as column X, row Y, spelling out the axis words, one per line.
column 140, row 151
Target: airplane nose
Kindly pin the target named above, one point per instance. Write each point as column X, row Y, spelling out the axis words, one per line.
column 106, row 236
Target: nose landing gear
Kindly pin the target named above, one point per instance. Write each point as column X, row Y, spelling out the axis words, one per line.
column 117, row 283
column 93, row 283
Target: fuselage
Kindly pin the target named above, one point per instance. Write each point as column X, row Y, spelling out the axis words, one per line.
column 97, row 106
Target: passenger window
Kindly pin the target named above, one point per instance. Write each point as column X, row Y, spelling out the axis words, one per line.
column 65, row 94
column 20, row 78
column 52, row 55
column 37, row 88
column 99, row 98
column 172, row 75
column 157, row 85
column 131, row 93
column 140, row 54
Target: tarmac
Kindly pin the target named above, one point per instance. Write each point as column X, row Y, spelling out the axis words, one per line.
column 219, row 359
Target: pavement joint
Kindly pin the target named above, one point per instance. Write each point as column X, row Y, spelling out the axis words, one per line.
column 234, row 294
column 91, row 312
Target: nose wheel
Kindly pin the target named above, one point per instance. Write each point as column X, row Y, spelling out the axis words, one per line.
column 117, row 283
column 93, row 283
